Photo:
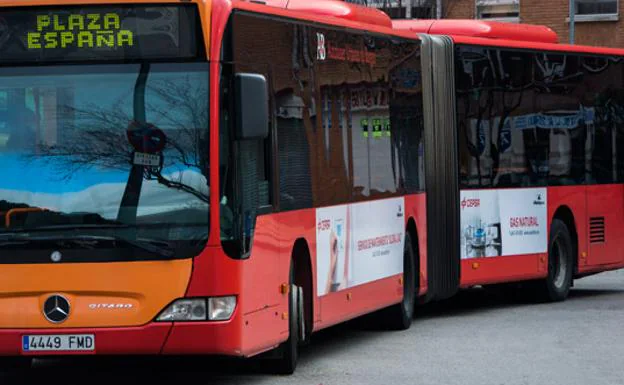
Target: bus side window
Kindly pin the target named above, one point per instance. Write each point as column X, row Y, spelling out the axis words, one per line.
column 406, row 123
column 245, row 170
column 254, row 186
column 244, row 187
column 225, row 166
column 293, row 148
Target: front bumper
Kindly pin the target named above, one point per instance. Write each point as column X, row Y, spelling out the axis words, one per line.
column 212, row 338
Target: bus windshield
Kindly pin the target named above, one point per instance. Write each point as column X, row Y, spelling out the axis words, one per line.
column 101, row 154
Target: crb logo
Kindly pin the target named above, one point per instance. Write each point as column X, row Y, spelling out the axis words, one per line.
column 321, row 51
column 470, row 203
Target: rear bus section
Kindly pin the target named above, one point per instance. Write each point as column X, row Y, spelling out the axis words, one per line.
column 539, row 146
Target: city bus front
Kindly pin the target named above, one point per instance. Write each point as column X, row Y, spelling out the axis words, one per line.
column 105, row 187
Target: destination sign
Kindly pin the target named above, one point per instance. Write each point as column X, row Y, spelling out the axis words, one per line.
column 100, row 33
column 82, row 31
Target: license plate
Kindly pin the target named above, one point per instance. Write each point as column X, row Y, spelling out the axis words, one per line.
column 58, row 343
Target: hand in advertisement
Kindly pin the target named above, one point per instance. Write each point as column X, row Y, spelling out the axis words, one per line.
column 338, row 275
column 334, row 237
column 333, row 261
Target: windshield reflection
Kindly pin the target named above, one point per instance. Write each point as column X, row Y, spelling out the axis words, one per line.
column 106, row 145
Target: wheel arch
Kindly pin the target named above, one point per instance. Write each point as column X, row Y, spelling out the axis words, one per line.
column 412, row 230
column 302, row 263
column 564, row 214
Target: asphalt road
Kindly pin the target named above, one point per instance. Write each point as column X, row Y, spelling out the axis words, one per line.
column 479, row 337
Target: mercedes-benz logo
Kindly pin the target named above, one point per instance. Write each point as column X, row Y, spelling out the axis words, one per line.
column 56, row 256
column 56, row 309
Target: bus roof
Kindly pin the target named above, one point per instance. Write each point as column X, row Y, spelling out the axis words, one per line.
column 476, row 32
column 479, row 28
column 330, row 12
column 334, row 8
column 498, row 34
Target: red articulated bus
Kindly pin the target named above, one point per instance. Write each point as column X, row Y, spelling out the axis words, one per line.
column 226, row 177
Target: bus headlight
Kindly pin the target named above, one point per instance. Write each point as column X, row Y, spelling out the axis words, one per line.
column 185, row 310
column 221, row 308
column 199, row 309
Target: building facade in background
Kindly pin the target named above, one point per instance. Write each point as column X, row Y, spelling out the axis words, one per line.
column 597, row 22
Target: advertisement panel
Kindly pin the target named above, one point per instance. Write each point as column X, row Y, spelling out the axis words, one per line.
column 332, row 251
column 358, row 243
column 503, row 222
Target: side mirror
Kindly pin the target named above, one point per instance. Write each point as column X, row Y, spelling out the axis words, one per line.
column 252, row 106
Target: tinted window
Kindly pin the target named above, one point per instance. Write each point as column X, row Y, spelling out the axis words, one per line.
column 536, row 119
column 406, row 120
column 370, row 118
column 346, row 110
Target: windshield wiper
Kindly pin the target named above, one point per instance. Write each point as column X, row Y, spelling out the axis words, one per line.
column 89, row 241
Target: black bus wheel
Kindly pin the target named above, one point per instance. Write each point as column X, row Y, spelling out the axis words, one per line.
column 556, row 286
column 287, row 353
column 400, row 316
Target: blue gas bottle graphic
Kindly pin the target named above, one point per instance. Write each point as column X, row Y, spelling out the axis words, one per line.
column 478, row 237
column 339, row 230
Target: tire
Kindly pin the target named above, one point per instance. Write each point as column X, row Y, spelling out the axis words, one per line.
column 400, row 316
column 556, row 286
column 288, row 352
